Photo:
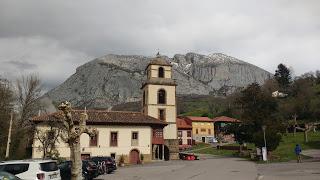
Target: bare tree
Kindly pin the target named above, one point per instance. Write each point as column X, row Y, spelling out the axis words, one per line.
column 28, row 92
column 308, row 126
column 71, row 135
column 48, row 140
column 6, row 106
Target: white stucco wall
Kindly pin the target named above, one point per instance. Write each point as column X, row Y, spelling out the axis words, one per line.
column 152, row 107
column 185, row 136
column 103, row 147
column 154, row 71
column 153, row 94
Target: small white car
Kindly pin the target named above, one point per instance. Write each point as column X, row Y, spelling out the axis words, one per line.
column 32, row 169
column 212, row 140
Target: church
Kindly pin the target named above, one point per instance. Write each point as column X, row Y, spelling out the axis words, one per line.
column 151, row 132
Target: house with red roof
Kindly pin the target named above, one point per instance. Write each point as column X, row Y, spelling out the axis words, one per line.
column 202, row 128
column 184, row 127
column 219, row 124
column 151, row 132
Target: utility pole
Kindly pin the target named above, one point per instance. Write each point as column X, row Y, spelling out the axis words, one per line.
column 9, row 137
column 264, row 150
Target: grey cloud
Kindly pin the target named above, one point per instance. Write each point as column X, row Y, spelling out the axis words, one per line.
column 264, row 33
column 22, row 64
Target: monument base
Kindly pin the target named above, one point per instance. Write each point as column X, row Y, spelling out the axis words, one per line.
column 173, row 146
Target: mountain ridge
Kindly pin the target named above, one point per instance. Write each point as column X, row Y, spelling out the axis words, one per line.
column 116, row 79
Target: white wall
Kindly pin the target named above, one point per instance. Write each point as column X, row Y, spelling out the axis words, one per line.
column 103, row 148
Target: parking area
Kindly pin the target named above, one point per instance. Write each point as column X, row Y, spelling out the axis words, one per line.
column 290, row 171
column 206, row 168
column 212, row 167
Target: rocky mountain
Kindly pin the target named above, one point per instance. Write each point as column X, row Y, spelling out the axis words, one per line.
column 116, row 79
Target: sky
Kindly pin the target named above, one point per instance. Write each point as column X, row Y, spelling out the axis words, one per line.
column 52, row 38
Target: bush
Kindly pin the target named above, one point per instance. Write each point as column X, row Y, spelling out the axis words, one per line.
column 121, row 159
column 272, row 137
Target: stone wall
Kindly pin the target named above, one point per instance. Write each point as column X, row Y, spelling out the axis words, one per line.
column 173, row 145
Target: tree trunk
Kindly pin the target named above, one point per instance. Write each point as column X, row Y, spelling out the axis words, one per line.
column 295, row 125
column 306, row 136
column 44, row 153
column 75, row 155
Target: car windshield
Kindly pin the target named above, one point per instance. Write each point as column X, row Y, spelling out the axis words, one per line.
column 49, row 166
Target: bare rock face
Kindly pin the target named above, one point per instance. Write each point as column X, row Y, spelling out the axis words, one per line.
column 116, row 79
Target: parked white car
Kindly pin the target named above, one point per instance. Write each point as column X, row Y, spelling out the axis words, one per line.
column 212, row 140
column 32, row 169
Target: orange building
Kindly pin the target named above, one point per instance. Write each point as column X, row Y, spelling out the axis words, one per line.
column 202, row 129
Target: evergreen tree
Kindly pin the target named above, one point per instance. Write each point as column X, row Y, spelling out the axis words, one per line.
column 283, row 77
column 257, row 108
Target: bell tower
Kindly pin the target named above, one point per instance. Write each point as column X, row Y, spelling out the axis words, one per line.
column 159, row 100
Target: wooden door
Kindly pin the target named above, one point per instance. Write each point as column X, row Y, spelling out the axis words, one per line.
column 134, row 157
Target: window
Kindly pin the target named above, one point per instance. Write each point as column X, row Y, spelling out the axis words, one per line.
column 197, row 131
column 180, row 141
column 114, row 139
column 188, row 133
column 15, row 168
column 161, row 72
column 144, row 98
column 158, row 133
column 135, row 135
column 93, row 140
column 161, row 96
column 179, row 133
column 113, row 155
column 49, row 166
column 189, row 141
column 209, row 131
column 134, row 139
column 203, row 130
column 162, row 114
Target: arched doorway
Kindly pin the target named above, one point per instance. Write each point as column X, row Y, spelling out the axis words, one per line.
column 166, row 153
column 134, row 156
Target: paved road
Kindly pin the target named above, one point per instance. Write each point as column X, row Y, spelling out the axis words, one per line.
column 290, row 171
column 314, row 153
column 219, row 168
column 209, row 168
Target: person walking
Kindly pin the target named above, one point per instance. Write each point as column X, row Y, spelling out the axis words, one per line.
column 298, row 150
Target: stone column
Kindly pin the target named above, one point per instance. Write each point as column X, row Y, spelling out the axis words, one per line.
column 163, row 152
column 173, row 145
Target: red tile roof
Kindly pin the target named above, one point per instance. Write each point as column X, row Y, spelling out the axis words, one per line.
column 225, row 119
column 105, row 117
column 196, row 118
column 183, row 124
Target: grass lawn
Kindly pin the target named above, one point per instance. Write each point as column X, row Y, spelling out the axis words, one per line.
column 203, row 148
column 285, row 150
